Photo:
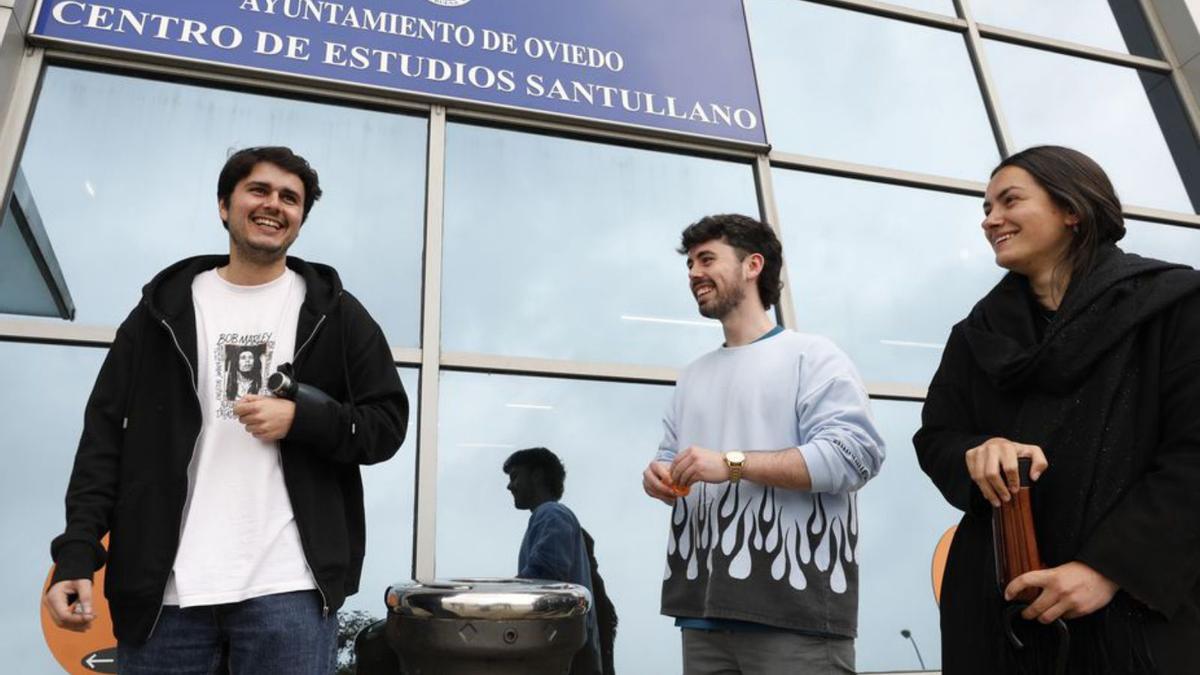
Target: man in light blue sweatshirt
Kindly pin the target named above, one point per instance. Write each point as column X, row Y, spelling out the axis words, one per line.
column 769, row 436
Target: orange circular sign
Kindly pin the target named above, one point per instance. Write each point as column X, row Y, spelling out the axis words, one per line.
column 940, row 553
column 84, row 653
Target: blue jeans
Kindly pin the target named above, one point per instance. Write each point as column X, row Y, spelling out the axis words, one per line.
column 283, row 634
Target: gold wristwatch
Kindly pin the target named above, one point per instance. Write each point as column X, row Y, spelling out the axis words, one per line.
column 734, row 459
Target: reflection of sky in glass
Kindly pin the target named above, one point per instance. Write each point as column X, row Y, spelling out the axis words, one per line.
column 558, row 248
column 884, row 271
column 134, row 189
column 605, row 434
column 1165, row 242
column 903, row 516
column 1096, row 108
column 851, row 86
column 388, row 500
column 41, row 413
column 1090, row 22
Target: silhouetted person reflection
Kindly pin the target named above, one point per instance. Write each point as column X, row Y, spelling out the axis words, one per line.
column 556, row 548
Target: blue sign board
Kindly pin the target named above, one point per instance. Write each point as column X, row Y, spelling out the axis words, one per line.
column 676, row 65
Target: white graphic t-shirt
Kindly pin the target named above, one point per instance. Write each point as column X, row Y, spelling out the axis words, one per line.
column 239, row 538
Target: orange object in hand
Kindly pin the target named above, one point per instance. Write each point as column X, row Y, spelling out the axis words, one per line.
column 679, row 490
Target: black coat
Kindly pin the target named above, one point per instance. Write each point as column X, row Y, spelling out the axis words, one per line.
column 143, row 419
column 1109, row 387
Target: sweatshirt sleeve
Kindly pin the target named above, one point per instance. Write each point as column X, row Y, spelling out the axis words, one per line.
column 95, row 477
column 839, row 441
column 668, row 447
column 948, row 431
column 1149, row 544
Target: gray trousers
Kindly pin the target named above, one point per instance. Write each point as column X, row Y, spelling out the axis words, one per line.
column 717, row 652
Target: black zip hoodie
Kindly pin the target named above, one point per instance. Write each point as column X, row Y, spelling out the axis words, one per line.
column 143, row 419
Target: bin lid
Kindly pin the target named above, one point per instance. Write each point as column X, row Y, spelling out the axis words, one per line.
column 495, row 599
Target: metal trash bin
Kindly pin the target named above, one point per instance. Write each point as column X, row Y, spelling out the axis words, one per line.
column 493, row 626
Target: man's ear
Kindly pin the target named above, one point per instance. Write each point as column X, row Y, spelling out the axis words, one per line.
column 753, row 265
column 223, row 211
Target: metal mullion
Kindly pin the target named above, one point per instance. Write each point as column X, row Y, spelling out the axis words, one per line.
column 785, row 310
column 983, row 75
column 425, row 526
column 406, row 356
column 1073, row 49
column 201, row 74
column 1187, row 96
column 878, row 174
column 899, row 12
column 967, row 188
column 56, row 333
column 533, row 122
column 1161, row 216
column 15, row 125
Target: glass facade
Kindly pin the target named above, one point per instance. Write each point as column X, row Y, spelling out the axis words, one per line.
column 543, row 257
column 855, row 87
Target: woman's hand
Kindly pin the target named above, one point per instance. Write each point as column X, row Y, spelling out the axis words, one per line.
column 993, row 467
column 1071, row 590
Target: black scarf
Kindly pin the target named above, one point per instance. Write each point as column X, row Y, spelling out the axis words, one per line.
column 1078, row 378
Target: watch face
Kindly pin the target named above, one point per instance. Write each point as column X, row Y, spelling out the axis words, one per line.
column 735, row 457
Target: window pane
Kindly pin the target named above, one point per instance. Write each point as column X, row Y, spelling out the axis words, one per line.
column 558, row 248
column 388, row 498
column 1097, row 108
column 884, row 271
column 1089, row 22
column 903, row 516
column 1165, row 242
column 605, row 434
column 41, row 412
column 851, row 86
column 134, row 189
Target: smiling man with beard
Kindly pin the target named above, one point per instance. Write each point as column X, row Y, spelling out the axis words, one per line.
column 236, row 527
column 765, row 441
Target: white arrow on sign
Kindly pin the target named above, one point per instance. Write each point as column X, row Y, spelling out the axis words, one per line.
column 93, row 659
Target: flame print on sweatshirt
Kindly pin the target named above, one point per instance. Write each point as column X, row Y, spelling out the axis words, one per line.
column 810, row 539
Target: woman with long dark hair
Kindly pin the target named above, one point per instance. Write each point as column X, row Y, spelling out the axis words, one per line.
column 1086, row 360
